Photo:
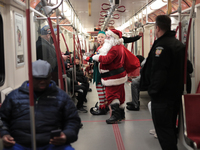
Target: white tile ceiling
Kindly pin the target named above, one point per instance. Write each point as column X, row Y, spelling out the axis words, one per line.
column 90, row 22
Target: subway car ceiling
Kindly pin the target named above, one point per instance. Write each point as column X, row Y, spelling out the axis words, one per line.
column 89, row 16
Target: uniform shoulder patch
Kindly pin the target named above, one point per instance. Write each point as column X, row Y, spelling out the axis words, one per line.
column 158, row 51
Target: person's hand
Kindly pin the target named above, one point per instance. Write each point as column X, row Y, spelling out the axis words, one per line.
column 79, row 83
column 95, row 57
column 8, row 141
column 140, row 34
column 60, row 140
column 84, row 57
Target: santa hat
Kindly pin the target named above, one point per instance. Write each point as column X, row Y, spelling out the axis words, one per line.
column 115, row 33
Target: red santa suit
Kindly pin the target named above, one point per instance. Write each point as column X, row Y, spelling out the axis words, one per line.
column 113, row 61
column 113, row 75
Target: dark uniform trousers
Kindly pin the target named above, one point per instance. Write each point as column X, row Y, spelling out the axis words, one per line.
column 164, row 115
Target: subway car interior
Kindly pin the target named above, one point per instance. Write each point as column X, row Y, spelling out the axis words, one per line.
column 74, row 26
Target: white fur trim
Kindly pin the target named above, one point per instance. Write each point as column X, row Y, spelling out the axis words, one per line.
column 115, row 101
column 111, row 82
column 109, row 32
column 121, row 40
column 95, row 57
column 104, row 71
column 122, row 106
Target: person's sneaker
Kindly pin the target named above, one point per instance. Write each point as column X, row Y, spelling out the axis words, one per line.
column 82, row 110
column 152, row 131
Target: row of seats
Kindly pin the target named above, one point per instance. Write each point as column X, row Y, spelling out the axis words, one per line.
column 191, row 113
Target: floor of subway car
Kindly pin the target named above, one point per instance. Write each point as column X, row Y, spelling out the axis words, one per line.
column 133, row 133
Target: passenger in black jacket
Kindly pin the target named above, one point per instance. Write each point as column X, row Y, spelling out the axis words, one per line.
column 46, row 51
column 54, row 110
column 162, row 76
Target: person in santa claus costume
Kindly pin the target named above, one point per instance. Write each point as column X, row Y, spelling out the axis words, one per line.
column 113, row 75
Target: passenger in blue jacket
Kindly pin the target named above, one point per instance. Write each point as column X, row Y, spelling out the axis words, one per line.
column 54, row 110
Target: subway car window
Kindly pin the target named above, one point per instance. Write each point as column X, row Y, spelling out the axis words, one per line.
column 2, row 62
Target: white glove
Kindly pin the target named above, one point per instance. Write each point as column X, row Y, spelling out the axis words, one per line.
column 95, row 57
column 84, row 57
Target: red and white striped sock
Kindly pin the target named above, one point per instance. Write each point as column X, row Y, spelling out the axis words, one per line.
column 102, row 95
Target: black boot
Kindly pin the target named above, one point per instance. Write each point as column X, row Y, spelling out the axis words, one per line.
column 98, row 111
column 129, row 103
column 116, row 115
column 122, row 114
column 132, row 108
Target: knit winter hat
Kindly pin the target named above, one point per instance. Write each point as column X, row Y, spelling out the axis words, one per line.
column 102, row 32
column 45, row 30
column 115, row 33
column 41, row 69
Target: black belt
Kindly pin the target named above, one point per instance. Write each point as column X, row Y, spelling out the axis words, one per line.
column 112, row 72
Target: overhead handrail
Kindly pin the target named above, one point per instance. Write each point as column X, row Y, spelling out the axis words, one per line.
column 44, row 18
column 49, row 9
column 106, row 5
column 111, row 22
column 31, row 94
column 124, row 9
column 115, row 16
column 101, row 19
column 112, row 9
column 104, row 13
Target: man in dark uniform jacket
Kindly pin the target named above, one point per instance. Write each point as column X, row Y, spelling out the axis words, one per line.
column 162, row 76
column 46, row 51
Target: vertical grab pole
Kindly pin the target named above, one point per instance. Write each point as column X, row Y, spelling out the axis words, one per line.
column 47, row 12
column 179, row 18
column 67, row 47
column 62, row 61
column 74, row 56
column 79, row 46
column 85, row 46
column 132, row 47
column 32, row 116
column 143, row 44
column 60, row 81
column 186, row 47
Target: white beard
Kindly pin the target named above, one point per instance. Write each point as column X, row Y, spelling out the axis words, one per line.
column 108, row 44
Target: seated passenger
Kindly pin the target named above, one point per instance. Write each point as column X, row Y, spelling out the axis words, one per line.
column 79, row 89
column 55, row 110
column 80, row 75
column 135, row 89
